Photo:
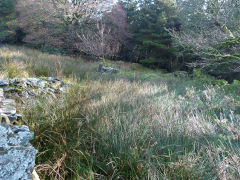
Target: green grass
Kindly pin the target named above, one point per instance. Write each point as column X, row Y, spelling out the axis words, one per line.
column 137, row 124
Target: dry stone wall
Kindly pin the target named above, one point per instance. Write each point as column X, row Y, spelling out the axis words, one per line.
column 17, row 155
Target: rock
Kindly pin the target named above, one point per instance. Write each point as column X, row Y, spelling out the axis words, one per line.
column 35, row 175
column 28, row 88
column 52, row 79
column 14, row 117
column 8, row 110
column 100, row 66
column 109, row 70
column 8, row 102
column 1, row 95
column 106, row 69
column 1, row 92
column 41, row 83
column 12, row 89
column 17, row 155
column 31, row 93
column 32, row 82
column 4, row 82
column 57, row 84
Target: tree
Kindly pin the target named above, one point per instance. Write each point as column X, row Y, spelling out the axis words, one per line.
column 104, row 37
column 41, row 22
column 8, row 23
column 151, row 43
column 51, row 22
column 84, row 10
column 210, row 32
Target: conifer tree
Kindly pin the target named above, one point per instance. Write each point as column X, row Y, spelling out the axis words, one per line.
column 148, row 21
column 8, row 22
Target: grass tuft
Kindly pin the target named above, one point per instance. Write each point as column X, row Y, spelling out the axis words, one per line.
column 137, row 124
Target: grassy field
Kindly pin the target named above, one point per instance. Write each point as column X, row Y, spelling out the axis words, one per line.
column 137, row 124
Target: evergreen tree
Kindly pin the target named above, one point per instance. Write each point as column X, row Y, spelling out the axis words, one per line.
column 8, row 22
column 148, row 22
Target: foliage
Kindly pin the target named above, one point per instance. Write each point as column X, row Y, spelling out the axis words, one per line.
column 170, row 34
column 210, row 33
column 72, row 27
column 42, row 23
column 150, row 40
column 52, row 50
column 8, row 23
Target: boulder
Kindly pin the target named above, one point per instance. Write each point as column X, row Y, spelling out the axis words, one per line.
column 8, row 110
column 100, row 66
column 17, row 155
column 4, row 82
column 109, row 70
column 106, row 70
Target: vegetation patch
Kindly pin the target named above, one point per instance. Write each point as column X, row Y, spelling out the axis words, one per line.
column 136, row 124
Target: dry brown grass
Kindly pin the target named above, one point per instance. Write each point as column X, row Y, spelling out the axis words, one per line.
column 138, row 124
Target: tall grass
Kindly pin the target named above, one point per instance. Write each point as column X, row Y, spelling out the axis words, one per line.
column 138, row 124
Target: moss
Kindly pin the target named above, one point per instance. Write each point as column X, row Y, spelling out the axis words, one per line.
column 43, row 78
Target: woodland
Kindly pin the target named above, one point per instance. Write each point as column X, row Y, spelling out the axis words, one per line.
column 169, row 34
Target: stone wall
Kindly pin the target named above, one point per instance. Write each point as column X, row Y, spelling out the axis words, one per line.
column 17, row 155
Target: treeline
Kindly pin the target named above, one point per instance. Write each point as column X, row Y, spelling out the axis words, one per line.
column 170, row 34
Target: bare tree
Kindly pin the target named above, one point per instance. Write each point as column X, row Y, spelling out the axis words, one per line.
column 105, row 36
column 48, row 22
column 42, row 22
column 83, row 10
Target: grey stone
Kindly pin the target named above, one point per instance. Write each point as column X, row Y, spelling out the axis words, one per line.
column 53, row 80
column 33, row 81
column 31, row 93
column 100, row 66
column 1, row 99
column 41, row 83
column 106, row 70
column 32, row 87
column 11, row 89
column 14, row 117
column 109, row 70
column 17, row 155
column 1, row 92
column 4, row 82
column 8, row 102
column 8, row 110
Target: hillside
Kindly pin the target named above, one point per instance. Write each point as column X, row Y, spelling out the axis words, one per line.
column 136, row 124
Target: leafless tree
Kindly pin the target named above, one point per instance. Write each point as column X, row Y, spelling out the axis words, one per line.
column 48, row 22
column 83, row 10
column 105, row 36
column 41, row 22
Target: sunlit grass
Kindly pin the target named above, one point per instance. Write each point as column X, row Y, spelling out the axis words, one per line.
column 138, row 124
